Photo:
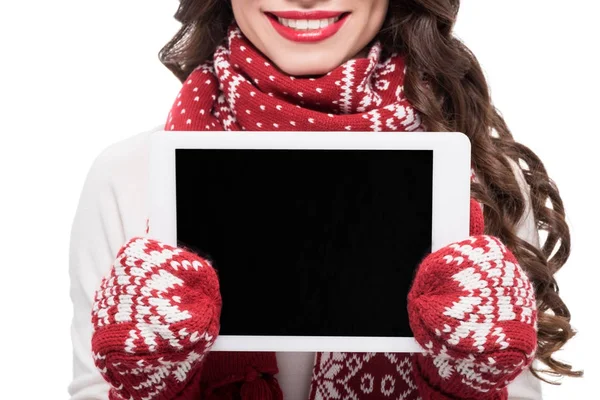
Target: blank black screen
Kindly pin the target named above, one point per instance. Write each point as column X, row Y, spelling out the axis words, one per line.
column 308, row 242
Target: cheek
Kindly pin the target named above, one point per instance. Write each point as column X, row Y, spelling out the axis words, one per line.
column 378, row 11
column 368, row 25
column 245, row 12
column 249, row 18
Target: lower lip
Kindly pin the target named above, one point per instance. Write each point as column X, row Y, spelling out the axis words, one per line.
column 307, row 36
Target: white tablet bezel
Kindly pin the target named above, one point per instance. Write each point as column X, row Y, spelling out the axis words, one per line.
column 451, row 192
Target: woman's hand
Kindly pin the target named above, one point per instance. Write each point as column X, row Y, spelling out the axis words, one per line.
column 472, row 308
column 155, row 317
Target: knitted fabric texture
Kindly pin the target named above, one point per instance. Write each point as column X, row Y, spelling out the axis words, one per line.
column 240, row 90
column 155, row 317
column 476, row 222
column 473, row 310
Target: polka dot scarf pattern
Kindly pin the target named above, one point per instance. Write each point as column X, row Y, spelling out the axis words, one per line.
column 239, row 89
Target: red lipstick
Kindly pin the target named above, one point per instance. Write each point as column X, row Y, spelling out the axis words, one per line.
column 307, row 35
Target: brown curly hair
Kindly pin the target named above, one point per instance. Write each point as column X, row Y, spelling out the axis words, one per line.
column 445, row 83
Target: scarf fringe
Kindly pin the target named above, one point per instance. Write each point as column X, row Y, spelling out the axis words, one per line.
column 262, row 388
column 255, row 386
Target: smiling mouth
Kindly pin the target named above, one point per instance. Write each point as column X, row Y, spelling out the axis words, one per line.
column 307, row 26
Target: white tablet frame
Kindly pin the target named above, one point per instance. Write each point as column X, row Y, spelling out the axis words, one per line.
column 451, row 195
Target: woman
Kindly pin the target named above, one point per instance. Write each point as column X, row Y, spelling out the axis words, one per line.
column 355, row 65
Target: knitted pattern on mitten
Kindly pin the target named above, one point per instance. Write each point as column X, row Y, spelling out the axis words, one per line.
column 476, row 221
column 155, row 317
column 473, row 310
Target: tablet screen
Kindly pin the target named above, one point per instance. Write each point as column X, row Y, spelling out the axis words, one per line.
column 308, row 242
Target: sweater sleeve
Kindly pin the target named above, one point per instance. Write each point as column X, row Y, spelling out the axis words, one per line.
column 105, row 218
column 525, row 386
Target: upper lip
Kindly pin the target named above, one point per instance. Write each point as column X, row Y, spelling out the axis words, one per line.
column 314, row 14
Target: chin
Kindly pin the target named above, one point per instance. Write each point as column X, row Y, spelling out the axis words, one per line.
column 301, row 65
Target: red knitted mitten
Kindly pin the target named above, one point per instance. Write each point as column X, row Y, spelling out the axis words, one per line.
column 155, row 317
column 472, row 308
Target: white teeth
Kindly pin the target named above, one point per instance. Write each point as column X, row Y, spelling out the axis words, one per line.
column 314, row 24
column 307, row 24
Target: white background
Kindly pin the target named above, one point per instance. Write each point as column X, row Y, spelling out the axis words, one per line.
column 77, row 76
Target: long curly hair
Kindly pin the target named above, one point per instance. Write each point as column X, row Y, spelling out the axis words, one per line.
column 445, row 83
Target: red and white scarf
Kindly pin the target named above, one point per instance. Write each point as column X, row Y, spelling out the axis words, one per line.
column 241, row 90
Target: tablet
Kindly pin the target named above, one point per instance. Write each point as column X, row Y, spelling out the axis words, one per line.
column 315, row 236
